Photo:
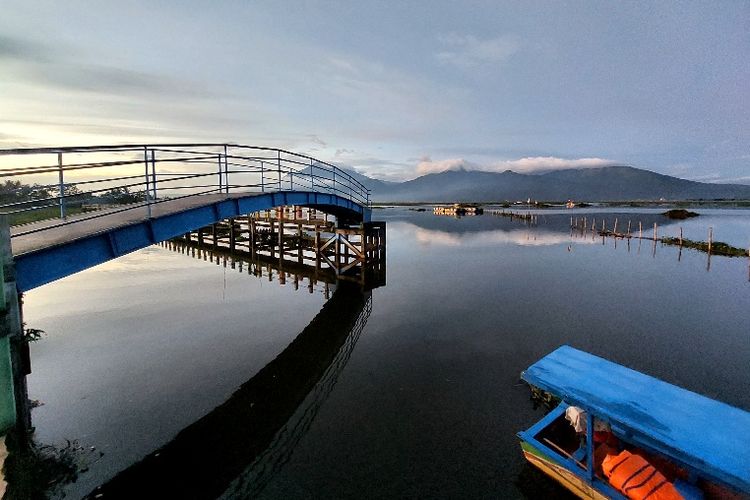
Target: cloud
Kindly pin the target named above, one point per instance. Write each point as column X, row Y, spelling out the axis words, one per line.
column 49, row 67
column 343, row 152
column 12, row 48
column 547, row 163
column 317, row 140
column 520, row 237
column 531, row 164
column 734, row 180
column 427, row 166
column 467, row 51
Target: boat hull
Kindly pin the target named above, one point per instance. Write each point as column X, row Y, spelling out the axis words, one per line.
column 562, row 475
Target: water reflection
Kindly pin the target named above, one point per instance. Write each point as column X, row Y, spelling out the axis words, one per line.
column 730, row 226
column 551, row 228
column 522, row 237
column 237, row 447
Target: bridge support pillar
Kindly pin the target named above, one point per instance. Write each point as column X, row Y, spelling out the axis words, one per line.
column 14, row 360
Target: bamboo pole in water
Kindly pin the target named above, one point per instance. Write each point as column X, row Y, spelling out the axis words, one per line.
column 710, row 239
column 628, row 228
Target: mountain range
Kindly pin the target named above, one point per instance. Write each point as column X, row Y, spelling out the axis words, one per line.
column 612, row 183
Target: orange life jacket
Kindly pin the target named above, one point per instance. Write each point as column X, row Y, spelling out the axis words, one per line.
column 637, row 479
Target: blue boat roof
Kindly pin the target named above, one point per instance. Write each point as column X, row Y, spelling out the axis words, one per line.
column 707, row 435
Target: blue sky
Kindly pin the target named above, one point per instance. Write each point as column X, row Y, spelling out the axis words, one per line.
column 393, row 89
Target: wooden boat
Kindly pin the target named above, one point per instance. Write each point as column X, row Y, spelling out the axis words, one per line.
column 699, row 446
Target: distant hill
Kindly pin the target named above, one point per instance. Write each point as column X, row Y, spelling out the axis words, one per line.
column 615, row 183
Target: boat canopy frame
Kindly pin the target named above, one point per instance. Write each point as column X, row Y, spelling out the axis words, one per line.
column 570, row 462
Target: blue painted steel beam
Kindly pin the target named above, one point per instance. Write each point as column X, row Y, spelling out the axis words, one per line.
column 43, row 266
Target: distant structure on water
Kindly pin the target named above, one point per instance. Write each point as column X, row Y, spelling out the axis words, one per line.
column 458, row 209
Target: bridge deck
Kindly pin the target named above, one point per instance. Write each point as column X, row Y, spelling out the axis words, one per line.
column 101, row 223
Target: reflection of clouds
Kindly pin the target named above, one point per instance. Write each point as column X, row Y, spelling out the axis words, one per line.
column 521, row 237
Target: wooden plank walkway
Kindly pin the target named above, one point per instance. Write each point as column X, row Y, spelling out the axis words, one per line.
column 26, row 243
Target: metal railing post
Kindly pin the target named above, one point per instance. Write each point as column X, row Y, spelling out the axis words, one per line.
column 291, row 181
column 262, row 178
column 278, row 166
column 334, row 180
column 153, row 172
column 147, row 191
column 226, row 170
column 61, row 185
column 220, row 184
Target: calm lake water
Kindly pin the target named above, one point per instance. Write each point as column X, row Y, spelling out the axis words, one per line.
column 420, row 395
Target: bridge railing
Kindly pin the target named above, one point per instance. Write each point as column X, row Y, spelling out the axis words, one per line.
column 79, row 183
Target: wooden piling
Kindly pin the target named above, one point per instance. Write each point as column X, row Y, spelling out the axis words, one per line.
column 251, row 235
column 232, row 236
column 272, row 245
column 317, row 247
column 299, row 242
column 710, row 239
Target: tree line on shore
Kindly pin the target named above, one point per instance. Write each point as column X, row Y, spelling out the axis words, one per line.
column 14, row 192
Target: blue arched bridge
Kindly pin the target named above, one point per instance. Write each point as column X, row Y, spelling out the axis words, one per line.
column 75, row 207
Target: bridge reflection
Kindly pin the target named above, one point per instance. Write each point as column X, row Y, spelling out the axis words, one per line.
column 237, row 448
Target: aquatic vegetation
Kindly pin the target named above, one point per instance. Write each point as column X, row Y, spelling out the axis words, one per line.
column 716, row 248
column 39, row 471
column 680, row 213
column 32, row 334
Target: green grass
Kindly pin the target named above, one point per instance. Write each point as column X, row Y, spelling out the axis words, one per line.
column 40, row 214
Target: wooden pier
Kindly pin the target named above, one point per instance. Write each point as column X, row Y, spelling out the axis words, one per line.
column 294, row 242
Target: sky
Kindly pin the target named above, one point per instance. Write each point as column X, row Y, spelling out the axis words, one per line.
column 391, row 89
